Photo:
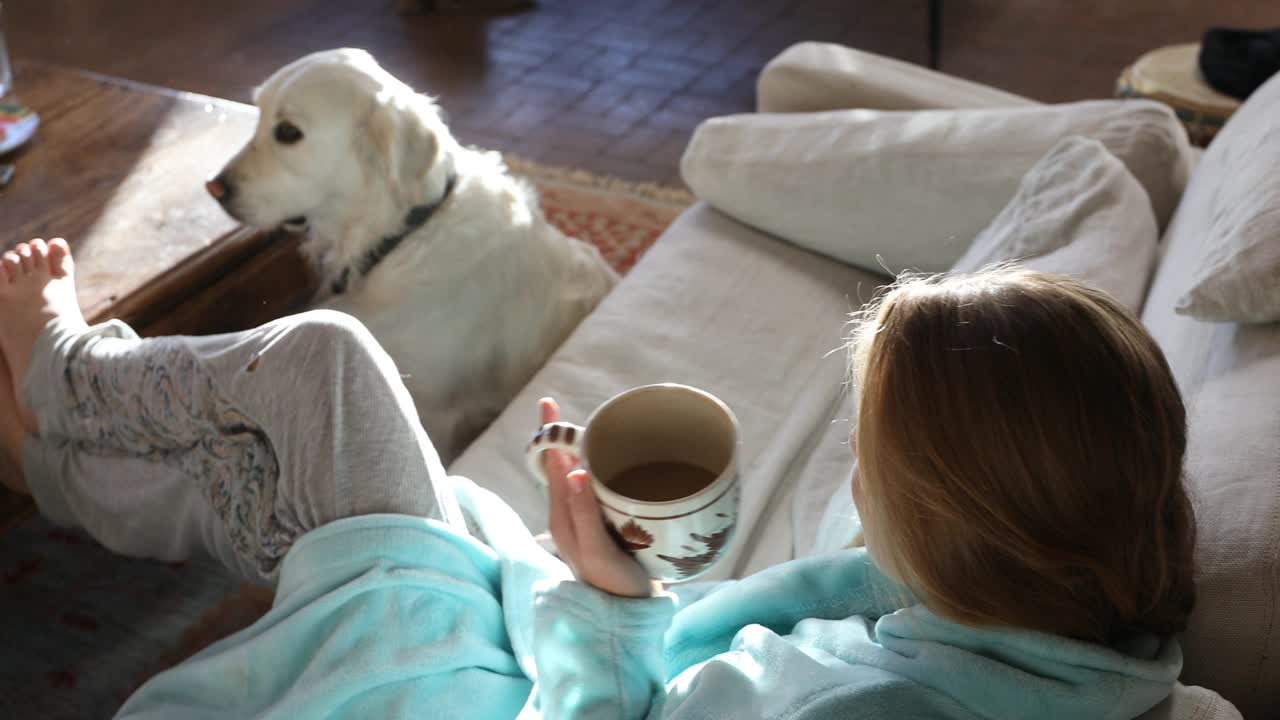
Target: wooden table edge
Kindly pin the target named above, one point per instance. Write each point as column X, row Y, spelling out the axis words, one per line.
column 20, row 62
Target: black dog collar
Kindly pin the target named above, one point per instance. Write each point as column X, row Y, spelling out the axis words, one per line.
column 417, row 216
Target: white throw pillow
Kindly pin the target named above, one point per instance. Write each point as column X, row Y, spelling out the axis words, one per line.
column 816, row 76
column 1078, row 212
column 910, row 190
column 1238, row 279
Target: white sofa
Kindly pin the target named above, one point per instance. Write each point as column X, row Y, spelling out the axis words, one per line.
column 759, row 322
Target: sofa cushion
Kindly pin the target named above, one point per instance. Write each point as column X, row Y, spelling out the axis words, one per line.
column 1238, row 277
column 1228, row 375
column 911, row 190
column 1077, row 212
column 1190, row 702
column 1233, row 466
column 816, row 76
column 757, row 322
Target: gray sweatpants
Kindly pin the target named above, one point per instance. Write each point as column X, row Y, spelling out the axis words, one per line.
column 230, row 446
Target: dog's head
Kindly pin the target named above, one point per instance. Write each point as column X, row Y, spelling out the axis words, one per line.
column 335, row 133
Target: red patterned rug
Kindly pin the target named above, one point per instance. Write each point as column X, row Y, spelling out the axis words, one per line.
column 619, row 217
column 87, row 627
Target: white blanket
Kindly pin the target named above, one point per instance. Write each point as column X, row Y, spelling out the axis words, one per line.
column 759, row 323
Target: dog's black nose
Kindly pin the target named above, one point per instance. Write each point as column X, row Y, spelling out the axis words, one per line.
column 220, row 188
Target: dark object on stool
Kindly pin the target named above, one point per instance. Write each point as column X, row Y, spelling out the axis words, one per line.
column 1237, row 62
column 935, row 33
column 462, row 7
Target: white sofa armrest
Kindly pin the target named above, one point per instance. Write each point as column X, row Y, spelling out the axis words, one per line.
column 813, row 77
column 1191, row 702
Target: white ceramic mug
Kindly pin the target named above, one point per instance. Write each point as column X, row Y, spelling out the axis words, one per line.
column 681, row 535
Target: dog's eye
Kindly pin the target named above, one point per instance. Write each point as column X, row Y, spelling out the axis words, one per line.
column 287, row 133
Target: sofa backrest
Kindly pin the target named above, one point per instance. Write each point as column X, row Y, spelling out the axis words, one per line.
column 1230, row 378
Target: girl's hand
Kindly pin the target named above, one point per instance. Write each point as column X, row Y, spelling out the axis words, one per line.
column 577, row 526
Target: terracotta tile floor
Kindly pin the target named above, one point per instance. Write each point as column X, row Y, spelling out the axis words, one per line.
column 613, row 86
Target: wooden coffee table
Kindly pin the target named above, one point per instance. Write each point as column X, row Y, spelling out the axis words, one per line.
column 118, row 169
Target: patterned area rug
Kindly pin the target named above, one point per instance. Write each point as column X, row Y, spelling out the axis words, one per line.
column 619, row 217
column 85, row 627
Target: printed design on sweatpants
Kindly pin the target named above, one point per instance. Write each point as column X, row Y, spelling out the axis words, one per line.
column 167, row 409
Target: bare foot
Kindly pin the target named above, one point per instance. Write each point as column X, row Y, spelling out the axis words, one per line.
column 12, row 433
column 36, row 286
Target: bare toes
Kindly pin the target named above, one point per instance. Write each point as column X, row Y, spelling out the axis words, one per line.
column 59, row 256
column 25, row 259
column 39, row 252
column 12, row 265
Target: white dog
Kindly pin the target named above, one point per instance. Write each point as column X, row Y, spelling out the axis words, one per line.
column 443, row 255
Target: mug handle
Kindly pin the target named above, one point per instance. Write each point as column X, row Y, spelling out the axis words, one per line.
column 553, row 436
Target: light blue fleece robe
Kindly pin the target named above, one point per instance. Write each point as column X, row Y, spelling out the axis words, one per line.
column 390, row 616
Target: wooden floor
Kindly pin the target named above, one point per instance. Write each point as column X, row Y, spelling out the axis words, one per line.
column 613, row 86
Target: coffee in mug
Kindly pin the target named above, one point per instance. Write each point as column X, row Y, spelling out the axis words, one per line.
column 663, row 461
column 660, row 481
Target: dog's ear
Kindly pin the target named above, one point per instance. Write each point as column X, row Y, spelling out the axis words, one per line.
column 402, row 133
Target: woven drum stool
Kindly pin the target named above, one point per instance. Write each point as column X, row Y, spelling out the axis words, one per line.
column 1171, row 75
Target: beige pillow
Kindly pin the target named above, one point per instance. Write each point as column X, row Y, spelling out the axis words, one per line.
column 815, row 76
column 910, row 190
column 1077, row 212
column 1238, row 279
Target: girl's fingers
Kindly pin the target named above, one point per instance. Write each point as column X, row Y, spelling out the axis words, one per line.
column 549, row 410
column 600, row 562
column 555, row 468
column 559, row 520
column 554, row 461
column 584, row 509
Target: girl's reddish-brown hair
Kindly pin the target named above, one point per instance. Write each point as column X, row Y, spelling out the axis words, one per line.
column 1020, row 449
